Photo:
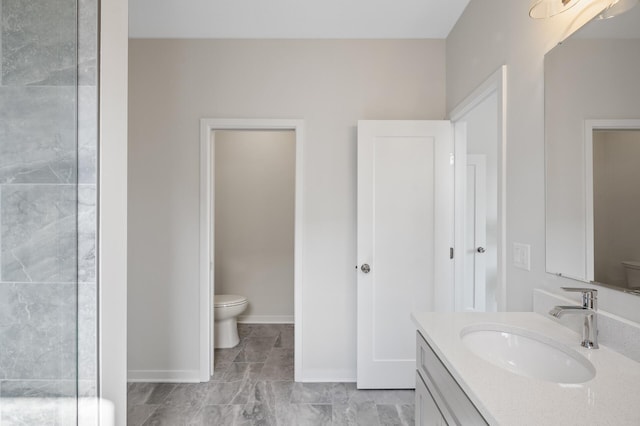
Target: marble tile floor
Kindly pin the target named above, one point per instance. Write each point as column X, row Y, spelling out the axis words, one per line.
column 253, row 385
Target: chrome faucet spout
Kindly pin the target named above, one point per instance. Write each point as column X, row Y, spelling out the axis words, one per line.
column 559, row 311
column 588, row 310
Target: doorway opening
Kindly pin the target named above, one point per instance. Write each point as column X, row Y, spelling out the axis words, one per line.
column 480, row 190
column 612, row 148
column 250, row 228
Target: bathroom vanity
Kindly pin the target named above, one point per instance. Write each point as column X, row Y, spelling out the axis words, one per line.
column 439, row 398
column 465, row 377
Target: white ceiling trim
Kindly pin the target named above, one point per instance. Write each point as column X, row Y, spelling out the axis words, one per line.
column 326, row 19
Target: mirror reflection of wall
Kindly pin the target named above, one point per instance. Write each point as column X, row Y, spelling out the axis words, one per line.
column 591, row 76
column 616, row 206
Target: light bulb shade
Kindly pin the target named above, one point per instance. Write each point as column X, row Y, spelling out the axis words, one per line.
column 541, row 9
column 617, row 8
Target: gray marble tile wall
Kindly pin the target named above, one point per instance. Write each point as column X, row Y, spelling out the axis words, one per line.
column 48, row 177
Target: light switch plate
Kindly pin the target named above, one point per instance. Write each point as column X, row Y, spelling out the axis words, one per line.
column 522, row 256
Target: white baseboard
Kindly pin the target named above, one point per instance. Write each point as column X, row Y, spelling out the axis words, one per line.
column 164, row 376
column 266, row 319
column 327, row 380
column 323, row 376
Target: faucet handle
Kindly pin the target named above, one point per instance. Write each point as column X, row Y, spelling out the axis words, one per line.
column 589, row 296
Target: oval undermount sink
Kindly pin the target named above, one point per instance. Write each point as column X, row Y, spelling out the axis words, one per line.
column 528, row 354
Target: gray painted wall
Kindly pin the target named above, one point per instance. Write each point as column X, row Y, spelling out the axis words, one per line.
column 491, row 33
column 330, row 84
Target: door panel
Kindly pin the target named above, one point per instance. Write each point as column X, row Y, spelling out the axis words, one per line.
column 398, row 162
column 474, row 295
column 403, row 169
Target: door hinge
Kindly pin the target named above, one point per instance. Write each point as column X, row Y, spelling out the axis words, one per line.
column 450, row 252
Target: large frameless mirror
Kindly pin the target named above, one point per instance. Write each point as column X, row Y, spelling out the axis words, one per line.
column 592, row 147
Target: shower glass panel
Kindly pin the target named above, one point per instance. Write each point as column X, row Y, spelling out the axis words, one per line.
column 48, row 145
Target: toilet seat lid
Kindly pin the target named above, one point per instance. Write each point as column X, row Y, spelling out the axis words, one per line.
column 222, row 300
column 631, row 263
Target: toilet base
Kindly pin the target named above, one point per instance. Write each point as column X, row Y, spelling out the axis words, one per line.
column 225, row 334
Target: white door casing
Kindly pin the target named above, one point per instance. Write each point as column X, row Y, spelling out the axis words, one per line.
column 405, row 229
column 474, row 292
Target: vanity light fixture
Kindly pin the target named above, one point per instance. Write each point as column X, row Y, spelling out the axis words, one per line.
column 618, row 7
column 541, row 9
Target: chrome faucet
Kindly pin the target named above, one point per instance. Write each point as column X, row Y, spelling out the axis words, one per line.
column 589, row 310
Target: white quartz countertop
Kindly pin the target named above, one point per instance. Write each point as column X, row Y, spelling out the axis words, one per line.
column 612, row 397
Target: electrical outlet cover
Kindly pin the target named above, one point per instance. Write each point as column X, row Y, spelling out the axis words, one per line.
column 522, row 256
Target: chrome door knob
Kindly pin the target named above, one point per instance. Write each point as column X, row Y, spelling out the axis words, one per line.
column 365, row 268
column 481, row 250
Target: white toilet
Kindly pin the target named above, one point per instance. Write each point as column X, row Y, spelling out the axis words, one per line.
column 226, row 308
column 632, row 271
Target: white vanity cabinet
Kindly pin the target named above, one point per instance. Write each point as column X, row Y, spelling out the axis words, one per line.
column 427, row 413
column 468, row 390
column 440, row 400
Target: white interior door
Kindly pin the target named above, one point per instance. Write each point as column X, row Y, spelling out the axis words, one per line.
column 405, row 229
column 475, row 275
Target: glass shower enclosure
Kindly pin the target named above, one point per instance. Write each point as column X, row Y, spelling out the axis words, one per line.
column 48, row 185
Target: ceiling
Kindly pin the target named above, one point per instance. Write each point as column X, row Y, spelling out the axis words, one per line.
column 324, row 19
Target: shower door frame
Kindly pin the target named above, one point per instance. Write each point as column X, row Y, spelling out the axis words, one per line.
column 207, row 127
